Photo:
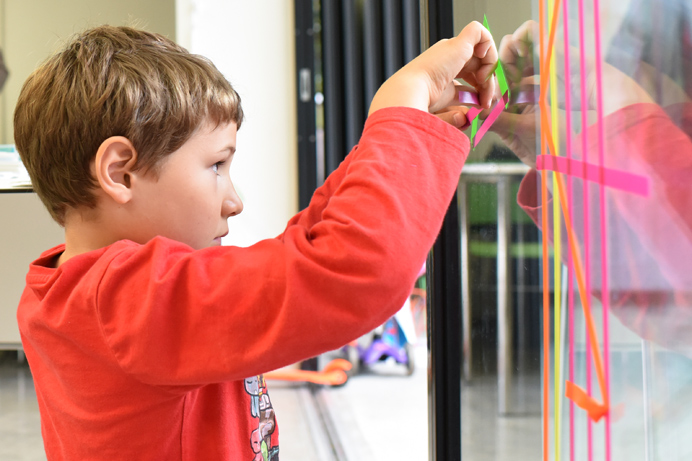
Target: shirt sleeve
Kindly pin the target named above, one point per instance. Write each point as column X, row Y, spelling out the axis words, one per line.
column 341, row 267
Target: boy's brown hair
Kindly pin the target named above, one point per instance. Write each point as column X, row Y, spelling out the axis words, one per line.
column 113, row 81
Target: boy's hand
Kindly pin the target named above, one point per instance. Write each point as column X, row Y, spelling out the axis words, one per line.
column 427, row 83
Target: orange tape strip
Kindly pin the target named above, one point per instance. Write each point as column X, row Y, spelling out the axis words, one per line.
column 579, row 396
column 595, row 409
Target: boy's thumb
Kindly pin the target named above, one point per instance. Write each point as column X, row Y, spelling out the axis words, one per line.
column 455, row 116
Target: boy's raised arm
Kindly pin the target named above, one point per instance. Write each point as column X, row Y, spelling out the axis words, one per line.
column 427, row 83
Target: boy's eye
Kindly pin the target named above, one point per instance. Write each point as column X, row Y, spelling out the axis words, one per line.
column 216, row 167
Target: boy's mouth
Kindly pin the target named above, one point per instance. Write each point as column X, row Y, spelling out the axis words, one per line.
column 217, row 240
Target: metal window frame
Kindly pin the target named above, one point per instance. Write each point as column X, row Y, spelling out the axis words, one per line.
column 305, row 69
column 445, row 335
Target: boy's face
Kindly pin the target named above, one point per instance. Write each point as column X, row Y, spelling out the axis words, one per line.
column 192, row 198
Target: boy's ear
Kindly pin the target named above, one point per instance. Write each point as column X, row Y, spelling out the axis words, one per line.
column 114, row 168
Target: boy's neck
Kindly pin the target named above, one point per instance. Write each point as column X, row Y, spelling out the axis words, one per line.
column 84, row 232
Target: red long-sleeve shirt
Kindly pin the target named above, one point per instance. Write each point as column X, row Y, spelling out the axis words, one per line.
column 144, row 351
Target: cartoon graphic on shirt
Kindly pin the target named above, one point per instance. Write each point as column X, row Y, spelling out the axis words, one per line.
column 261, row 408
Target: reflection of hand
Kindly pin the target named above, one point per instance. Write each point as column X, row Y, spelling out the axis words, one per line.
column 517, row 52
column 518, row 130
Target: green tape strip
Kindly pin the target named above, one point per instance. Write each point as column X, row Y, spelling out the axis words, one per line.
column 474, row 128
column 499, row 72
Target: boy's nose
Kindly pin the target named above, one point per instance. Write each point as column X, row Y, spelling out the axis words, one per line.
column 232, row 205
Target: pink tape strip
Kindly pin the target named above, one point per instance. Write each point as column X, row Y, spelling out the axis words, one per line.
column 494, row 114
column 616, row 179
column 605, row 298
column 585, row 204
column 570, row 262
column 472, row 113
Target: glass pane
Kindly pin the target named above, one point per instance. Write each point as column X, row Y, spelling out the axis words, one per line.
column 501, row 392
column 588, row 356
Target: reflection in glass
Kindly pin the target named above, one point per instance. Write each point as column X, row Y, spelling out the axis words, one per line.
column 609, row 147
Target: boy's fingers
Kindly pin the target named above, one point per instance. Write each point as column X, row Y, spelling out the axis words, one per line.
column 465, row 96
column 486, row 93
column 470, row 54
column 485, row 88
column 454, row 94
column 455, row 116
column 480, row 39
column 481, row 49
column 478, row 69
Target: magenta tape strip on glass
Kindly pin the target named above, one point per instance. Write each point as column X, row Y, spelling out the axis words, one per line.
column 494, row 114
column 616, row 179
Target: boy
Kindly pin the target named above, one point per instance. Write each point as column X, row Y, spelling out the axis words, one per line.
column 146, row 339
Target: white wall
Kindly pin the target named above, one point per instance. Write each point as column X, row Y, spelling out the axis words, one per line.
column 252, row 43
column 30, row 30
